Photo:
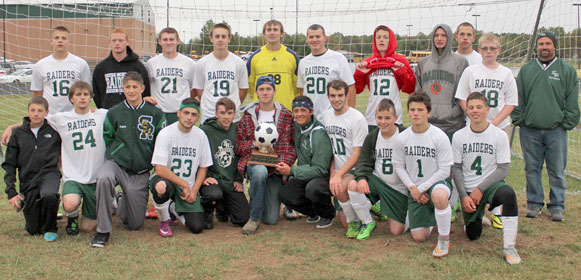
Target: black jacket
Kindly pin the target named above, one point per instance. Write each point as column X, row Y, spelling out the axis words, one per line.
column 32, row 156
column 108, row 79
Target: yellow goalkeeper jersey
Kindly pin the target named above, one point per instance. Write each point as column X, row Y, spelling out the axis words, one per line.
column 282, row 66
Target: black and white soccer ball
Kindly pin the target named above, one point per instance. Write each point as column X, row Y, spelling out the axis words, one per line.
column 266, row 134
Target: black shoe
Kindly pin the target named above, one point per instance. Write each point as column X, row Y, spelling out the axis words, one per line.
column 221, row 215
column 100, row 240
column 324, row 223
column 72, row 226
column 209, row 219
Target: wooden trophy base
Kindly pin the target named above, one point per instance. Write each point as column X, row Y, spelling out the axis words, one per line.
column 259, row 158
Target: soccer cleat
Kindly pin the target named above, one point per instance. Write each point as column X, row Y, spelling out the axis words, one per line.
column 353, row 229
column 59, row 213
column 455, row 209
column 365, row 231
column 324, row 223
column 442, row 248
column 453, row 218
column 50, row 236
column 151, row 214
column 376, row 211
column 496, row 222
column 511, row 255
column 485, row 222
column 72, row 226
column 100, row 240
column 221, row 215
column 290, row 214
column 165, row 229
column 556, row 215
column 533, row 211
column 313, row 219
column 250, row 227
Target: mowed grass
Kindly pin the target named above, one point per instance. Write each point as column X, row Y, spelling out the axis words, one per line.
column 296, row 250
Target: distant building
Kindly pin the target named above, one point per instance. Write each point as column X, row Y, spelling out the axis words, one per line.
column 27, row 27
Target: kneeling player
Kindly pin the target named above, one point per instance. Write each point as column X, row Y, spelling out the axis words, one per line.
column 422, row 160
column 82, row 138
column 481, row 163
column 223, row 184
column 181, row 158
column 374, row 170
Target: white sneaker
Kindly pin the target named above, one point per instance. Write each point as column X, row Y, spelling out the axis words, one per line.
column 290, row 214
column 442, row 248
column 511, row 255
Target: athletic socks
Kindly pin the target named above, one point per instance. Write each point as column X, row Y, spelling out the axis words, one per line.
column 162, row 210
column 349, row 212
column 443, row 220
column 407, row 222
column 361, row 206
column 509, row 231
column 497, row 211
column 72, row 215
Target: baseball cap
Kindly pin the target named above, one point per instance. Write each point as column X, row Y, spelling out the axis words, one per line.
column 265, row 80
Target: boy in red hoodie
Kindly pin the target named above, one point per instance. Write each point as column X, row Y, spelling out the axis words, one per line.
column 386, row 74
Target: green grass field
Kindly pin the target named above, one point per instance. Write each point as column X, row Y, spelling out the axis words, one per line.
column 294, row 249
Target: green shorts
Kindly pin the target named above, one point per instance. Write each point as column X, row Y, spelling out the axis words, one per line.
column 175, row 193
column 486, row 199
column 393, row 203
column 87, row 194
column 422, row 215
column 170, row 118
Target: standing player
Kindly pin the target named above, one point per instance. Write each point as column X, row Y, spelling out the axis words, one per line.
column 465, row 37
column 347, row 129
column 130, row 130
column 264, row 182
column 481, row 163
column 422, row 159
column 319, row 68
column 220, row 74
column 33, row 154
column 81, row 132
column 231, row 202
column 109, row 73
column 53, row 75
column 374, row 170
column 181, row 159
column 276, row 60
column 308, row 190
column 439, row 74
column 171, row 75
column 386, row 74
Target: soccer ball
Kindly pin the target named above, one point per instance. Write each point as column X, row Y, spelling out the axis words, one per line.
column 266, row 134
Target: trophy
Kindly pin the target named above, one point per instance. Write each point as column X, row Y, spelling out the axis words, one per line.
column 264, row 154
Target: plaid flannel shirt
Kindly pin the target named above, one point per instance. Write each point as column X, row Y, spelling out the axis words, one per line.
column 284, row 146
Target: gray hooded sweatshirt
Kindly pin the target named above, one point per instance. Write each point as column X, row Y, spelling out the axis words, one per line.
column 438, row 76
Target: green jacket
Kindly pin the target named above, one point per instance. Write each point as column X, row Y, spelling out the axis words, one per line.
column 225, row 168
column 314, row 151
column 130, row 133
column 547, row 98
column 366, row 162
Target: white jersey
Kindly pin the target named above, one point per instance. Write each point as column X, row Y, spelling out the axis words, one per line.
column 383, row 162
column 171, row 80
column 480, row 153
column 315, row 72
column 220, row 78
column 382, row 84
column 346, row 131
column 498, row 85
column 83, row 147
column 473, row 58
column 54, row 78
column 181, row 152
column 422, row 154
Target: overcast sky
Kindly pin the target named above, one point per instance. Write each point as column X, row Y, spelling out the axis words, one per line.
column 355, row 16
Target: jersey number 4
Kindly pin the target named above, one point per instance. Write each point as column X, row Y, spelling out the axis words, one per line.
column 477, row 165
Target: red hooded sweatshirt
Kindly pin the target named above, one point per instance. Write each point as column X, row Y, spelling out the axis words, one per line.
column 404, row 76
